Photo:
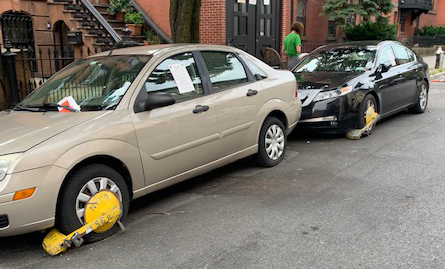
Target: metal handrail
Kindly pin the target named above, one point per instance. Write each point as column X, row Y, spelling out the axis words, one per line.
column 157, row 30
column 101, row 19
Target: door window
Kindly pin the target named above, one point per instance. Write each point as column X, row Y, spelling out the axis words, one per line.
column 161, row 79
column 411, row 56
column 225, row 70
column 387, row 57
column 401, row 55
column 256, row 71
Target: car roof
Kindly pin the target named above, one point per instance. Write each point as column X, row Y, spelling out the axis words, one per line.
column 371, row 43
column 154, row 49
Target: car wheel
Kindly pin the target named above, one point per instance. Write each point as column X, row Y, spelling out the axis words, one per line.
column 422, row 99
column 368, row 102
column 77, row 191
column 272, row 143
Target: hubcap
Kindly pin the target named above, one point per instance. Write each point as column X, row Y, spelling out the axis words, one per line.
column 423, row 98
column 90, row 189
column 274, row 142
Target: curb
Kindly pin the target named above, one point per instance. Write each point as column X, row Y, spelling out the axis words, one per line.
column 434, row 77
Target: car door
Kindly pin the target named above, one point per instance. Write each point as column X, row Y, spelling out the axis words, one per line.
column 237, row 97
column 407, row 76
column 386, row 81
column 177, row 138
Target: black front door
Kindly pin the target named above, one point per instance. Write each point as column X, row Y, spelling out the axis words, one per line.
column 252, row 28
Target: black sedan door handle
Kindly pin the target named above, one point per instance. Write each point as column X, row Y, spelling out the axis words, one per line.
column 199, row 109
column 251, row 92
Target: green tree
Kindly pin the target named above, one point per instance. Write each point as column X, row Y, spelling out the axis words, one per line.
column 341, row 10
column 184, row 20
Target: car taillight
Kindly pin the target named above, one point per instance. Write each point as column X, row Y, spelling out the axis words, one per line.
column 296, row 90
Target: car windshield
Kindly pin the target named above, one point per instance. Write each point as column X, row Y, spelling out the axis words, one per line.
column 338, row 60
column 94, row 84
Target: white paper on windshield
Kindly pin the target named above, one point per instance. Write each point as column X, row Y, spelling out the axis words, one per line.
column 252, row 2
column 182, row 78
column 242, row 1
column 68, row 102
column 266, row 2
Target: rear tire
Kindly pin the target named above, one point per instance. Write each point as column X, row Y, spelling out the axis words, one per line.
column 272, row 143
column 422, row 99
column 67, row 219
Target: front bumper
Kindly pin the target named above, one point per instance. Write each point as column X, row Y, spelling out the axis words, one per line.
column 36, row 212
column 331, row 115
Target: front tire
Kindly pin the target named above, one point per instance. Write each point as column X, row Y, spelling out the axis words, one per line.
column 368, row 102
column 272, row 143
column 422, row 99
column 82, row 185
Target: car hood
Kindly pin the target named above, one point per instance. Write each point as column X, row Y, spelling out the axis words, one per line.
column 323, row 80
column 21, row 130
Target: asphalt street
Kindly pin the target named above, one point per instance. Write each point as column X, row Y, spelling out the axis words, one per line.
column 378, row 202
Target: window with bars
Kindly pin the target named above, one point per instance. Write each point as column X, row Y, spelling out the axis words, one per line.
column 17, row 28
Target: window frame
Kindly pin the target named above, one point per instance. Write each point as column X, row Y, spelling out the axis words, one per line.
column 142, row 94
column 381, row 54
column 302, row 19
column 250, row 77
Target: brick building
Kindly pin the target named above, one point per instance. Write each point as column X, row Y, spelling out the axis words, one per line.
column 255, row 24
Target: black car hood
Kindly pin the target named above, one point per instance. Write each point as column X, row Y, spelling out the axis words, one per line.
column 323, row 80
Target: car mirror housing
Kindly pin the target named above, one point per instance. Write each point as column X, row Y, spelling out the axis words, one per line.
column 383, row 68
column 159, row 99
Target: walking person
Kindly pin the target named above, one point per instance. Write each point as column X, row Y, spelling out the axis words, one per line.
column 292, row 45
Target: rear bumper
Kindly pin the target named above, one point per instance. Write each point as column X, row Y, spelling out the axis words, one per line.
column 36, row 212
column 293, row 115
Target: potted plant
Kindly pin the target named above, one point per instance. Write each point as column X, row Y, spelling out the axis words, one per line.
column 134, row 21
column 118, row 8
column 151, row 38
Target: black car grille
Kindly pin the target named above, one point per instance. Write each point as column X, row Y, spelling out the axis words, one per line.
column 4, row 222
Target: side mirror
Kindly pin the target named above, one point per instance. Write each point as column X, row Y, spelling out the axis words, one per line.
column 383, row 68
column 159, row 99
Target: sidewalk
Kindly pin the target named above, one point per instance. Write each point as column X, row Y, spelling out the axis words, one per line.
column 431, row 61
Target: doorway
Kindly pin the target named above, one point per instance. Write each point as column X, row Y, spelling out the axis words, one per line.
column 253, row 28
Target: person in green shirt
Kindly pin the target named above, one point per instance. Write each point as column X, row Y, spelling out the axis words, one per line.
column 292, row 45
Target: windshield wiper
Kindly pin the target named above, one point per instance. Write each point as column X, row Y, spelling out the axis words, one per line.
column 57, row 105
column 26, row 108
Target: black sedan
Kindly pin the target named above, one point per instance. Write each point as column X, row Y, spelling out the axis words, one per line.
column 337, row 84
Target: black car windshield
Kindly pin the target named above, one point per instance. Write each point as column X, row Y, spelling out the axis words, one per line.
column 94, row 84
column 338, row 60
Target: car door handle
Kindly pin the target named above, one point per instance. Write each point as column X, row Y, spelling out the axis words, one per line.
column 251, row 92
column 199, row 109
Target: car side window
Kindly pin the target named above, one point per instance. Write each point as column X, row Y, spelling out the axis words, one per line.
column 411, row 56
column 401, row 55
column 225, row 70
column 256, row 71
column 161, row 78
column 387, row 57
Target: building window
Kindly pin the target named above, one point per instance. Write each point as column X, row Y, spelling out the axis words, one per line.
column 17, row 28
column 301, row 12
column 351, row 19
column 331, row 27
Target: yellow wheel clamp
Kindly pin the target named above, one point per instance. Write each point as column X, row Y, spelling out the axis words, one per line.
column 101, row 213
column 371, row 119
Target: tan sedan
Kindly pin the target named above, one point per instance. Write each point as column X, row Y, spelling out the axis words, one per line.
column 134, row 121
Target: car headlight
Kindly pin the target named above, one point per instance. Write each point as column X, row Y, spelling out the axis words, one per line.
column 332, row 94
column 5, row 162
